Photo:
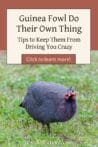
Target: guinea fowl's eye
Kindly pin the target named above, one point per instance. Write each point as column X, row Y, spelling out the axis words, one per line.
column 66, row 96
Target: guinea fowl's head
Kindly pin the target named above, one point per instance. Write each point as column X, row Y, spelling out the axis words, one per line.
column 70, row 95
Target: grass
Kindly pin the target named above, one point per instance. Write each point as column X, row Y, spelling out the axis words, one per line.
column 17, row 129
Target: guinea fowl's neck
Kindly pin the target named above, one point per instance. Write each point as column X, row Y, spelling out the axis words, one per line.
column 70, row 109
column 71, row 104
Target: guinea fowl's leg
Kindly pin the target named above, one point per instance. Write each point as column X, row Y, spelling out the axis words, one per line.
column 43, row 125
column 48, row 126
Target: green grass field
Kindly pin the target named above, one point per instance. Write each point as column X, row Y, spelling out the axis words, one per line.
column 17, row 129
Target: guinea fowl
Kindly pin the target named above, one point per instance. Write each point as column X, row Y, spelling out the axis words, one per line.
column 49, row 102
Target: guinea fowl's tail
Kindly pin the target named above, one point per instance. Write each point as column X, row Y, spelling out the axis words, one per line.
column 22, row 104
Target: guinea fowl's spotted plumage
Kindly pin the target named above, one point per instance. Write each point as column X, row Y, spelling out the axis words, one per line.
column 46, row 102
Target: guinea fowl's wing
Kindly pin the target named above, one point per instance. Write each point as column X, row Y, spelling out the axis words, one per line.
column 48, row 106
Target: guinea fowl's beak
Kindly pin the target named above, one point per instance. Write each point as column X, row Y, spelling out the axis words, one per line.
column 20, row 105
column 73, row 94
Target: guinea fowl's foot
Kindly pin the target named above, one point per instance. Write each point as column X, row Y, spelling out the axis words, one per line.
column 48, row 127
